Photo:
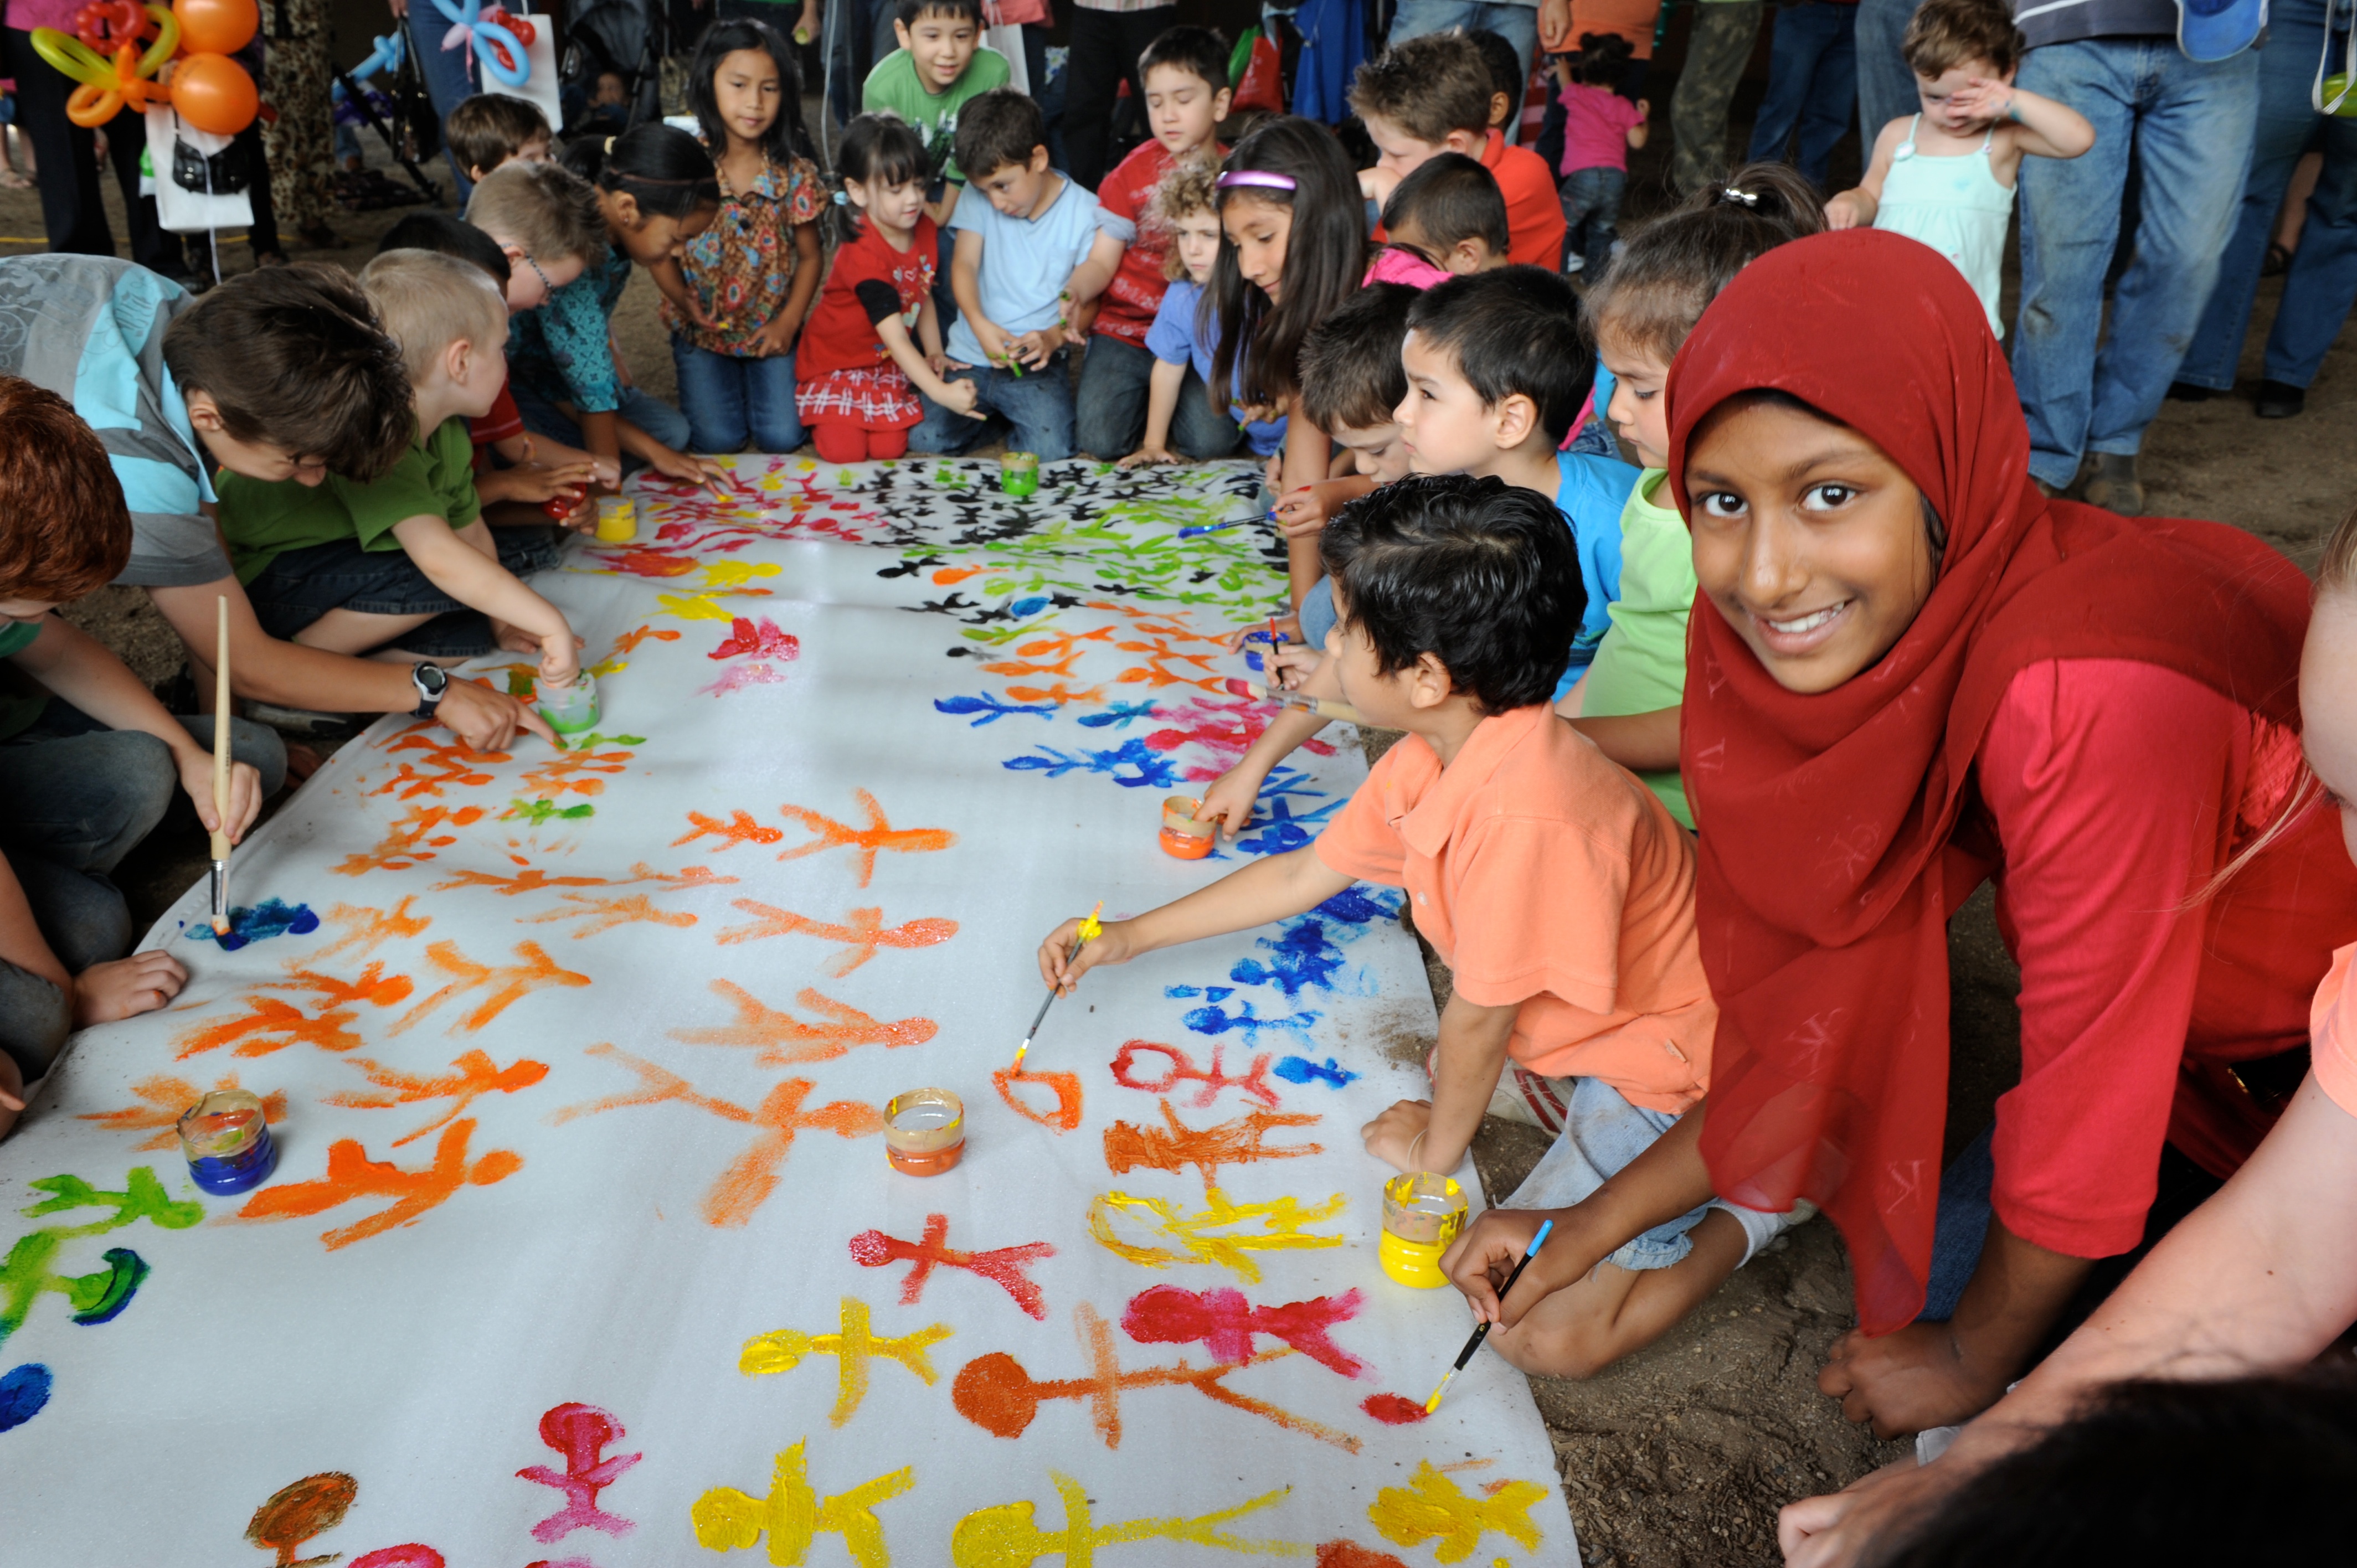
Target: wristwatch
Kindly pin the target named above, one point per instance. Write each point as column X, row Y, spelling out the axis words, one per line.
column 431, row 681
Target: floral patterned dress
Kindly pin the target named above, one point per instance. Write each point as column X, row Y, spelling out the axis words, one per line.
column 742, row 267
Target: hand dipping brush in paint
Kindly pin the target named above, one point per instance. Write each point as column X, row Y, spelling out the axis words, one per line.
column 1556, row 886
column 90, row 767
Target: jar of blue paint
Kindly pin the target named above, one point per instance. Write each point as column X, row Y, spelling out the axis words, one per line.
column 226, row 1137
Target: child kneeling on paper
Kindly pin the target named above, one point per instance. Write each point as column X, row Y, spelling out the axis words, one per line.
column 356, row 567
column 1553, row 883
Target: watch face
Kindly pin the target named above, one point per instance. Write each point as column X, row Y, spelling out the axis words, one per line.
column 431, row 679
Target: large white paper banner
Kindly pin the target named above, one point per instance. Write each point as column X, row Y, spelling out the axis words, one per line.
column 583, row 1248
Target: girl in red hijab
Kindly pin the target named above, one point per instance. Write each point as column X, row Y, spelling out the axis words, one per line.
column 1915, row 673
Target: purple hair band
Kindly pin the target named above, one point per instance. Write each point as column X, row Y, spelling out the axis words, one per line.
column 1266, row 178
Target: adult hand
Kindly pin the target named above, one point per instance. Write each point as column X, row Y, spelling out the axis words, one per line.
column 1063, row 968
column 1147, row 454
column 126, row 987
column 1907, row 1380
column 1835, row 1531
column 1554, row 26
column 1392, row 1136
column 244, row 792
column 487, row 720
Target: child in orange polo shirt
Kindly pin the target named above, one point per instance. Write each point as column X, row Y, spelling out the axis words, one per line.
column 1556, row 886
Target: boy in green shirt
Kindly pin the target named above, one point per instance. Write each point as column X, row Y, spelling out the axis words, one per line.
column 392, row 564
column 936, row 72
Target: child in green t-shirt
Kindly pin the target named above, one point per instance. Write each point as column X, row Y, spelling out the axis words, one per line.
column 936, row 72
column 393, row 564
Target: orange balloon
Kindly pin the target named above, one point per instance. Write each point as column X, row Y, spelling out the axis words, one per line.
column 214, row 93
column 216, row 26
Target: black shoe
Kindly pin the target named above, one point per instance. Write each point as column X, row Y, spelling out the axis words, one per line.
column 2277, row 400
column 2186, row 392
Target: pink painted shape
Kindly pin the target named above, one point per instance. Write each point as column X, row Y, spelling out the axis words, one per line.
column 763, row 640
column 580, row 1432
column 737, row 677
column 1225, row 1322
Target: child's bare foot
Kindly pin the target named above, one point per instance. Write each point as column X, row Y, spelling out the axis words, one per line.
column 11, row 180
column 1908, row 1381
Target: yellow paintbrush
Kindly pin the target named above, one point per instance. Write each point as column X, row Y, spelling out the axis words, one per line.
column 1090, row 930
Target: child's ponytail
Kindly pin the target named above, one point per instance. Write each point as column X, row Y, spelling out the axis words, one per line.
column 662, row 168
column 876, row 149
column 1669, row 271
column 1285, row 161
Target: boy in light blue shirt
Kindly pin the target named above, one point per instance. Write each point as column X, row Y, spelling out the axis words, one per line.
column 1021, row 229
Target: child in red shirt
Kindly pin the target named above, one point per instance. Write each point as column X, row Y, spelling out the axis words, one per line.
column 859, row 369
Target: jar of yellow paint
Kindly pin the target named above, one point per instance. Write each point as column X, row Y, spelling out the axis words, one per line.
column 618, row 519
column 1423, row 1212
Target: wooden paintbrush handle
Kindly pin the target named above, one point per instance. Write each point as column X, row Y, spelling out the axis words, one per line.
column 221, row 730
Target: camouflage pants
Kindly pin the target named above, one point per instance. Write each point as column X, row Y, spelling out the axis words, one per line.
column 301, row 144
column 1716, row 51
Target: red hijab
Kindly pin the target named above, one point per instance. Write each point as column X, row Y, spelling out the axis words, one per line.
column 1824, row 887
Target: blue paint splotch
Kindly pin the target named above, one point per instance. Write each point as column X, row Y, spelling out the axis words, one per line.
column 1302, row 1071
column 1216, row 1020
column 1301, row 957
column 23, row 1391
column 1284, row 831
column 1118, row 715
column 270, row 918
column 1151, row 772
column 989, row 709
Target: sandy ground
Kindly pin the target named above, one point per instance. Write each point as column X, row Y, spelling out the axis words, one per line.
column 1682, row 1454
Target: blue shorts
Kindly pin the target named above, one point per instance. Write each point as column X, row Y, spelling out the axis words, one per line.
column 1601, row 1135
column 298, row 587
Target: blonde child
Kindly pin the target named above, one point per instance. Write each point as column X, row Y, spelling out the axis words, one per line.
column 746, row 282
column 356, row 567
column 861, row 369
column 1184, row 210
column 1639, row 312
column 1945, row 176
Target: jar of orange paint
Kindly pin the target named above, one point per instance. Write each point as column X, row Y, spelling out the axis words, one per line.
column 1183, row 837
column 924, row 1131
column 1423, row 1212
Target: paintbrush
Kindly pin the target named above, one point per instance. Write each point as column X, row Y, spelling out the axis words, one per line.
column 1197, row 532
column 1324, row 707
column 1483, row 1332
column 220, row 772
column 1090, row 930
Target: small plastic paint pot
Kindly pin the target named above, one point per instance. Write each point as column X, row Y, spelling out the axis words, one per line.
column 559, row 507
column 227, row 1139
column 1018, row 474
column 1184, row 836
column 924, row 1131
column 571, row 709
column 618, row 519
column 1421, row 1215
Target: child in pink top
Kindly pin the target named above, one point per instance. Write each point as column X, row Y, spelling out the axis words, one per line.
column 1447, row 219
column 1599, row 126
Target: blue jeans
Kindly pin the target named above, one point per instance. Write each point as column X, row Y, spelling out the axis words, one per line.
column 1036, row 405
column 1518, row 25
column 1591, row 214
column 732, row 404
column 1961, row 1229
column 300, row 585
column 1317, row 613
column 1110, row 423
column 2322, row 281
column 81, row 796
column 1886, row 82
column 1812, row 86
column 447, row 80
column 643, row 409
column 2190, row 129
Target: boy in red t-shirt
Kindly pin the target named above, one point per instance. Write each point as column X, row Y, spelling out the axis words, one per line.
column 1431, row 94
column 1186, row 75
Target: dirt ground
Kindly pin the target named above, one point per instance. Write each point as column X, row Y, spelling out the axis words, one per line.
column 1680, row 1456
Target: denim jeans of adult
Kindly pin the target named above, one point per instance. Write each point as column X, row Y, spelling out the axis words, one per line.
column 1110, row 422
column 1718, row 49
column 1812, row 86
column 2322, row 280
column 1518, row 25
column 1591, row 214
column 1034, row 410
column 735, row 404
column 1105, row 47
column 2190, row 129
column 1886, row 82
column 80, row 797
column 643, row 409
column 448, row 81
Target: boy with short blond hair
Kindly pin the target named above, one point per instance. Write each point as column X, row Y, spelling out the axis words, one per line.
column 1185, row 72
column 1431, row 94
column 355, row 568
column 490, row 128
